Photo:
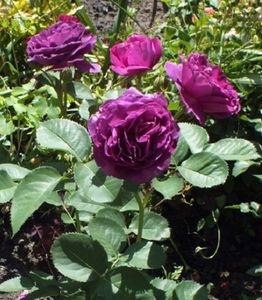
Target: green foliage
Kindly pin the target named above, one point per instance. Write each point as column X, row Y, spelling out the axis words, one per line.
column 33, row 190
column 109, row 234
column 150, row 231
column 64, row 135
column 233, row 149
column 92, row 180
column 170, row 187
column 195, row 136
column 204, row 170
column 16, row 284
column 7, row 187
column 75, row 256
column 255, row 271
column 14, row 171
column 117, row 252
column 189, row 290
column 144, row 255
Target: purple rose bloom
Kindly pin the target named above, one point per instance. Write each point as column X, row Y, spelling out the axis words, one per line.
column 63, row 45
column 136, row 55
column 203, row 88
column 134, row 136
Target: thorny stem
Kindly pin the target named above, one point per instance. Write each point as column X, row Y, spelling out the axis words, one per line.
column 140, row 217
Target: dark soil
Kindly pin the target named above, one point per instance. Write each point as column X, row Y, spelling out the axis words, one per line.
column 148, row 14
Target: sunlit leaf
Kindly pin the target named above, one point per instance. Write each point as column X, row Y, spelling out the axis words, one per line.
column 31, row 193
column 78, row 257
column 64, row 135
column 233, row 149
column 204, row 169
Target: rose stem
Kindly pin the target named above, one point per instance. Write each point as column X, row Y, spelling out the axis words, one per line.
column 187, row 267
column 140, row 217
column 138, row 81
column 60, row 95
column 64, row 81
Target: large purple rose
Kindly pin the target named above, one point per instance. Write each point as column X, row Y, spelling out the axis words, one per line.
column 134, row 136
column 136, row 55
column 203, row 88
column 63, row 45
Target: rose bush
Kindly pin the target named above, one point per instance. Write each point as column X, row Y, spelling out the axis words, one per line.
column 136, row 55
column 134, row 136
column 203, row 88
column 63, row 45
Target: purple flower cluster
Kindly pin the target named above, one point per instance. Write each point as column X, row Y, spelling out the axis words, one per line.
column 63, row 45
column 134, row 136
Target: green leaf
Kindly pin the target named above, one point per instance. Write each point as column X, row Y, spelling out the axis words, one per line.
column 114, row 93
column 42, row 278
column 170, row 187
column 249, row 79
column 96, row 185
column 150, row 230
column 233, row 149
column 54, row 199
column 79, row 91
column 16, row 284
column 83, row 203
column 85, row 216
column 204, row 170
column 241, row 167
column 44, row 291
column 112, row 214
column 255, row 271
column 165, row 285
column 64, row 135
column 214, row 3
column 190, row 290
column 7, row 187
column 84, row 110
column 109, row 234
column 14, row 171
column 124, row 283
column 125, row 200
column 31, row 193
column 258, row 177
column 247, row 207
column 6, row 128
column 200, row 224
column 144, row 255
column 195, row 136
column 181, row 151
column 78, row 257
